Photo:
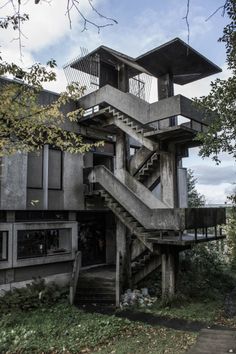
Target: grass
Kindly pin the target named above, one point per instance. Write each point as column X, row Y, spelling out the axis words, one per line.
column 65, row 329
column 210, row 312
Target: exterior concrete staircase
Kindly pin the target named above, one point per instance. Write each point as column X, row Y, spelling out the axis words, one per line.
column 128, row 220
column 96, row 286
column 145, row 167
column 133, row 128
column 143, row 265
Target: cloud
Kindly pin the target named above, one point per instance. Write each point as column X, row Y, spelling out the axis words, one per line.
column 216, row 175
column 201, row 87
column 213, row 194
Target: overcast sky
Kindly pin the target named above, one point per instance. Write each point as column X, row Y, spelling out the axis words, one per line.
column 142, row 25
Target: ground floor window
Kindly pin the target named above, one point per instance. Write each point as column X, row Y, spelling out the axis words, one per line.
column 3, row 245
column 40, row 243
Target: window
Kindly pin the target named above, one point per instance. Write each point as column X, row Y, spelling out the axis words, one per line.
column 55, row 169
column 3, row 245
column 41, row 243
column 35, row 170
column 37, row 165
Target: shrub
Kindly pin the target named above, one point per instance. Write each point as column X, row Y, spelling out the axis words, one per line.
column 34, row 295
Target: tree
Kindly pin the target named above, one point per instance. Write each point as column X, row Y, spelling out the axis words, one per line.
column 221, row 135
column 26, row 125
column 195, row 199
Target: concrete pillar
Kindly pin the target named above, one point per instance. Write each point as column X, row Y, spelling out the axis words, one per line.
column 169, row 264
column 168, row 176
column 123, row 247
column 165, row 90
column 123, row 78
column 122, row 151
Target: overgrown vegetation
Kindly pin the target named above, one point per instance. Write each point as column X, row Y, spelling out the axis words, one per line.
column 221, row 135
column 65, row 329
column 35, row 295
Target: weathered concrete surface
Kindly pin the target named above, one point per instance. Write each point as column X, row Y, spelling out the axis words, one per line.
column 140, row 190
column 182, row 188
column 140, row 110
column 13, row 182
column 168, row 179
column 149, row 218
column 169, row 263
column 139, row 159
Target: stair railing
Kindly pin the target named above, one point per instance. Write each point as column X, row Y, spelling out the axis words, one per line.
column 75, row 276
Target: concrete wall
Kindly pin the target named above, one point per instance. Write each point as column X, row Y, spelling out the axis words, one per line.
column 18, row 272
column 13, row 182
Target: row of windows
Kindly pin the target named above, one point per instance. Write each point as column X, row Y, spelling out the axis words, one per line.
column 37, row 243
column 36, row 168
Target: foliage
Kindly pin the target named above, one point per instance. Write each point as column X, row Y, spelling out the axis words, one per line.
column 231, row 232
column 25, row 124
column 195, row 199
column 65, row 329
column 221, row 136
column 204, row 272
column 34, row 295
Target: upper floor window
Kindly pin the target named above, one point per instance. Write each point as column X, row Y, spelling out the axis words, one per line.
column 35, row 170
column 3, row 245
column 55, row 162
column 45, row 167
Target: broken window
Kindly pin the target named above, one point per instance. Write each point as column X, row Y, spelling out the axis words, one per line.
column 41, row 243
column 3, row 245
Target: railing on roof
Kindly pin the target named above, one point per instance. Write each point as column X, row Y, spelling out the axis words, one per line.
column 87, row 73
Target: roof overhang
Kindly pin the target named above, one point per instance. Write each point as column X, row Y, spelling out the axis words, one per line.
column 178, row 59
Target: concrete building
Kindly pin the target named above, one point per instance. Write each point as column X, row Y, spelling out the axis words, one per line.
column 123, row 206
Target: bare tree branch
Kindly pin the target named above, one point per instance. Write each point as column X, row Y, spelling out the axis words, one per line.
column 186, row 19
column 223, row 8
column 17, row 18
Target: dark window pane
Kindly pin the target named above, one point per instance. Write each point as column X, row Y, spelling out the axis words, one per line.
column 39, row 243
column 55, row 169
column 3, row 245
column 35, row 170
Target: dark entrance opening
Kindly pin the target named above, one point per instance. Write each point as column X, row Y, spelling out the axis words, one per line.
column 92, row 237
column 108, row 75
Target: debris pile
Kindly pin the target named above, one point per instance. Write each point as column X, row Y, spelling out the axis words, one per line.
column 139, row 298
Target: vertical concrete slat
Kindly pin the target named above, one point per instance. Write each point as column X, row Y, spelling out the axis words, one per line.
column 45, row 176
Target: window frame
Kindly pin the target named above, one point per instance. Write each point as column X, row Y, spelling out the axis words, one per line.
column 62, row 169
column 42, row 163
column 55, row 258
column 45, row 252
column 7, row 245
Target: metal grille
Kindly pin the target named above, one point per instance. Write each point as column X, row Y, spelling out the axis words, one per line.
column 85, row 72
column 85, row 69
column 140, row 86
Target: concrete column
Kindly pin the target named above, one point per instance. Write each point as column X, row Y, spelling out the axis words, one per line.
column 45, row 176
column 169, row 264
column 122, row 150
column 168, row 179
column 123, row 78
column 165, row 90
column 122, row 246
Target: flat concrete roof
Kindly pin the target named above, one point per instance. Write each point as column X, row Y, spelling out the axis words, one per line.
column 180, row 60
column 175, row 57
